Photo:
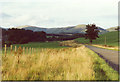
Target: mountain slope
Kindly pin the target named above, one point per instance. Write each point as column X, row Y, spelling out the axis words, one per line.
column 71, row 29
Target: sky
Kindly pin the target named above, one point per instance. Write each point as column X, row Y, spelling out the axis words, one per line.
column 58, row 13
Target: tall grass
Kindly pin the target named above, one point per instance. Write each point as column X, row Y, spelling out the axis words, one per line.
column 49, row 64
column 71, row 63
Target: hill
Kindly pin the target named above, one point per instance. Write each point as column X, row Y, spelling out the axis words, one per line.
column 112, row 29
column 70, row 29
column 111, row 39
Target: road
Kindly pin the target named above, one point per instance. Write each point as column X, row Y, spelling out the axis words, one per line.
column 110, row 56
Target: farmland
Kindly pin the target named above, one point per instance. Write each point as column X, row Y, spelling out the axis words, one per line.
column 41, row 45
column 54, row 61
column 111, row 39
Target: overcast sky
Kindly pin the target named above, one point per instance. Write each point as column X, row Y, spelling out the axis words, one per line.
column 58, row 13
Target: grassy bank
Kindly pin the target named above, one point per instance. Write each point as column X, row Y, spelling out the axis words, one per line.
column 102, row 70
column 106, row 47
column 111, row 39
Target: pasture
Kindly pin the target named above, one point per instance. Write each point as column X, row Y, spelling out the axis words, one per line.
column 111, row 39
column 53, row 61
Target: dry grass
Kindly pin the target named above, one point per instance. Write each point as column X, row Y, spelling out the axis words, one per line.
column 106, row 47
column 49, row 64
column 70, row 43
column 73, row 63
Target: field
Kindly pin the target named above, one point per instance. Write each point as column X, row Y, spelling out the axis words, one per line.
column 42, row 45
column 37, row 46
column 111, row 39
column 50, row 61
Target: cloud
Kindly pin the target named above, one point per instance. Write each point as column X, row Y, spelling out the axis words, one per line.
column 4, row 15
column 54, row 13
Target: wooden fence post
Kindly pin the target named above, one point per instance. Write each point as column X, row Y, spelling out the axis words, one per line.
column 11, row 48
column 26, row 50
column 5, row 50
column 23, row 50
column 15, row 50
column 20, row 51
column 30, row 50
column 105, row 41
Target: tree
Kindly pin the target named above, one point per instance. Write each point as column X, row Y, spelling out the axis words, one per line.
column 91, row 32
column 21, row 36
column 40, row 36
column 118, row 28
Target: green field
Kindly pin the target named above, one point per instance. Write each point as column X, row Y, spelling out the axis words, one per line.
column 111, row 39
column 37, row 46
column 41, row 45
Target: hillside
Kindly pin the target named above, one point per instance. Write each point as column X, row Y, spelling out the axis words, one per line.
column 111, row 29
column 70, row 29
column 111, row 39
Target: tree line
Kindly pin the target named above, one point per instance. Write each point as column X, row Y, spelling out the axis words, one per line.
column 22, row 36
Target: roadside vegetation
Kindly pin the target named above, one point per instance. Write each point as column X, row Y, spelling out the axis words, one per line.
column 102, row 70
column 54, row 61
column 106, row 47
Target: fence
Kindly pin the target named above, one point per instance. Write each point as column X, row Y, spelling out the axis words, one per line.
column 17, row 51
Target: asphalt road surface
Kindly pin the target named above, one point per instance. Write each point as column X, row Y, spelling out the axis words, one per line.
column 110, row 56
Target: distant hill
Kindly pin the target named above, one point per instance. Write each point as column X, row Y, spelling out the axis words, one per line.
column 70, row 29
column 34, row 28
column 112, row 29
